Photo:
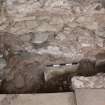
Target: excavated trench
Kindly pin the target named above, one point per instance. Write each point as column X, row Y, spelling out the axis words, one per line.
column 47, row 29
column 23, row 72
column 27, row 75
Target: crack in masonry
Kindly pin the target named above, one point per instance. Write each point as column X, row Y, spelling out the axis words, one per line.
column 75, row 98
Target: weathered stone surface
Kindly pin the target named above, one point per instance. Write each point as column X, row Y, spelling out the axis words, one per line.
column 23, row 74
column 76, row 28
column 38, row 99
column 97, row 81
column 39, row 38
column 78, row 22
column 2, row 63
column 9, row 42
column 90, row 96
column 42, row 39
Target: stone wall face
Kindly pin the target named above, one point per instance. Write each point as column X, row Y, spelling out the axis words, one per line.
column 35, row 33
column 68, row 28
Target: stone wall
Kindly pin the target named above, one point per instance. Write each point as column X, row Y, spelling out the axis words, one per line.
column 67, row 28
column 50, row 31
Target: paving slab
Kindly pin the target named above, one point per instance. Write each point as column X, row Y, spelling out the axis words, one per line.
column 90, row 96
column 38, row 99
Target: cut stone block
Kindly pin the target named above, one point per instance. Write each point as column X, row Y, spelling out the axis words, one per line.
column 90, row 96
column 38, row 99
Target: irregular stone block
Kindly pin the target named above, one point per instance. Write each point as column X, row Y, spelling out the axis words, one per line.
column 97, row 81
column 40, row 39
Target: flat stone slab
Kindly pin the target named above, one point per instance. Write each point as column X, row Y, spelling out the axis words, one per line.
column 38, row 99
column 90, row 96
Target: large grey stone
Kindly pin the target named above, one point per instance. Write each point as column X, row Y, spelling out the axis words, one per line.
column 40, row 38
column 96, row 81
column 38, row 99
column 90, row 96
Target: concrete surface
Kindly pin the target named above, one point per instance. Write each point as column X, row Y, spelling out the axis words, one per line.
column 39, row 99
column 90, row 96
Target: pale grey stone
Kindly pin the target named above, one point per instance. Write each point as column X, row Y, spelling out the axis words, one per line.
column 90, row 96
column 40, row 37
column 77, row 24
column 26, row 37
column 58, row 3
column 39, row 99
column 97, row 81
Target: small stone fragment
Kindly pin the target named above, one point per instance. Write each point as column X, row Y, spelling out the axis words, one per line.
column 40, row 38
